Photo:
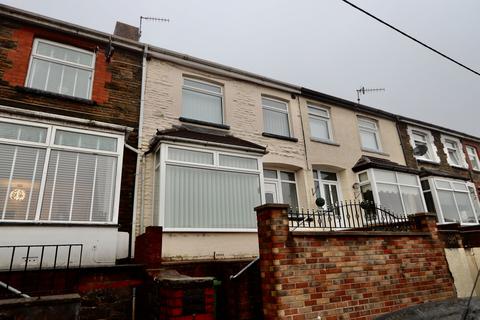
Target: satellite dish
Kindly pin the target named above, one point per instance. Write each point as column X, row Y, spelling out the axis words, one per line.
column 420, row 150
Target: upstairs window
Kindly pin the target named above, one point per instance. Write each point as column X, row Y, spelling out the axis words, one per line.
column 369, row 135
column 419, row 137
column 275, row 117
column 202, row 101
column 473, row 156
column 61, row 69
column 455, row 155
column 319, row 119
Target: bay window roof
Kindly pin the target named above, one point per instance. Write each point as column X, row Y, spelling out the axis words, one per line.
column 367, row 162
column 204, row 136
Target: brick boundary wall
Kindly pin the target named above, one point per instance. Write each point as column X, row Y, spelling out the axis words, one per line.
column 348, row 275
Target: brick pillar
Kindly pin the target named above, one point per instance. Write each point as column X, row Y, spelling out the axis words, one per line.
column 148, row 247
column 272, row 221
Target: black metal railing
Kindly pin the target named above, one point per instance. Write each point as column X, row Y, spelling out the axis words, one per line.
column 19, row 262
column 349, row 215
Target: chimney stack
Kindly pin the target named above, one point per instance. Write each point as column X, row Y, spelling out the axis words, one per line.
column 126, row 31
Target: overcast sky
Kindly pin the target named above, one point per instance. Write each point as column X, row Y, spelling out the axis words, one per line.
column 324, row 45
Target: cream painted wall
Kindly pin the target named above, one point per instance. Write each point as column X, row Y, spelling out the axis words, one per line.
column 341, row 156
column 464, row 265
column 243, row 113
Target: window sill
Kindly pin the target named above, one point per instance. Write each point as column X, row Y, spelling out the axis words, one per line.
column 54, row 95
column 205, row 123
column 428, row 161
column 459, row 167
column 57, row 224
column 332, row 143
column 276, row 136
column 375, row 151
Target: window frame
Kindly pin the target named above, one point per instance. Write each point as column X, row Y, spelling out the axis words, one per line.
column 34, row 55
column 160, row 163
column 372, row 180
column 220, row 95
column 430, row 142
column 461, row 155
column 375, row 131
column 475, row 157
column 278, row 182
column 49, row 146
column 329, row 182
column 327, row 119
column 432, row 181
column 287, row 112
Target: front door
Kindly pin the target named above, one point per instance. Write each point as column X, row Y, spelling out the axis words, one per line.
column 271, row 192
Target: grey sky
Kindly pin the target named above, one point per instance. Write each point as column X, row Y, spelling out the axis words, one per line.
column 324, row 45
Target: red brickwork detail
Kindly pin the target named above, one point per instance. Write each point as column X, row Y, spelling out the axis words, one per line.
column 148, row 247
column 347, row 277
column 172, row 303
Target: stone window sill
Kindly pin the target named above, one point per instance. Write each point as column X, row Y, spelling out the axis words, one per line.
column 332, row 143
column 375, row 151
column 205, row 123
column 276, row 136
column 55, row 95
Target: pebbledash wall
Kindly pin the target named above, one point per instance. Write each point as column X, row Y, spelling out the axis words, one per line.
column 348, row 275
column 242, row 112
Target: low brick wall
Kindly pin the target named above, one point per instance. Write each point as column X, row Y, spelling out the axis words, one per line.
column 348, row 275
column 59, row 307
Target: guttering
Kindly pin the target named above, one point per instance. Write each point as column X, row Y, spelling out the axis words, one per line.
column 206, row 143
column 65, row 27
column 434, row 127
column 140, row 155
column 58, row 117
column 219, row 69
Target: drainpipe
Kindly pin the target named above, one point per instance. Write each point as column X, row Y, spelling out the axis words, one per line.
column 140, row 155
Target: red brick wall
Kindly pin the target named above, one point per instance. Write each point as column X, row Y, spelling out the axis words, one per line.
column 337, row 276
column 115, row 95
column 474, row 175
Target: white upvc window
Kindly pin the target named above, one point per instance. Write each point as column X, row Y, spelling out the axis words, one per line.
column 419, row 137
column 52, row 173
column 452, row 200
column 206, row 189
column 275, row 117
column 454, row 152
column 62, row 69
column 399, row 192
column 320, row 125
column 369, row 135
column 280, row 187
column 473, row 156
column 202, row 100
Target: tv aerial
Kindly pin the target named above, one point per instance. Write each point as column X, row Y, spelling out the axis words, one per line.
column 154, row 19
column 364, row 90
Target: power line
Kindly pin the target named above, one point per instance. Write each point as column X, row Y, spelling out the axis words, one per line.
column 412, row 38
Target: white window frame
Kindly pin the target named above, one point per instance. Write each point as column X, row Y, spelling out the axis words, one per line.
column 34, row 55
column 327, row 119
column 375, row 131
column 329, row 182
column 473, row 156
column 372, row 180
column 50, row 145
column 278, row 182
column 459, row 151
column 206, row 92
column 432, row 149
column 160, row 167
column 287, row 112
column 436, row 199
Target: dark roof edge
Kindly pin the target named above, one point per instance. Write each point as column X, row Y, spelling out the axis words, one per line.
column 323, row 97
column 66, row 27
column 428, row 125
column 437, row 173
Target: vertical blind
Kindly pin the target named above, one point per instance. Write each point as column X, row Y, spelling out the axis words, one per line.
column 78, row 185
column 208, row 198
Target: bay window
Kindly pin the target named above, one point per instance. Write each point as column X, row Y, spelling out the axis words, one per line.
column 62, row 69
column 452, row 200
column 50, row 173
column 397, row 191
column 205, row 189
